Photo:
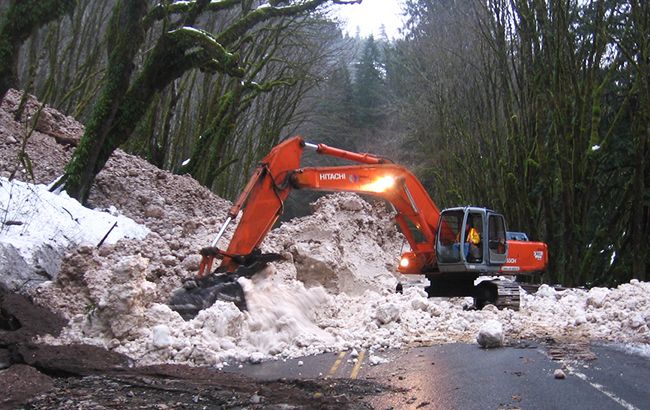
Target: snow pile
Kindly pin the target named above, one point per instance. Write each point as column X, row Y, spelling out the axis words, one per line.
column 279, row 320
column 287, row 319
column 347, row 245
column 284, row 316
column 38, row 226
column 124, row 298
column 620, row 314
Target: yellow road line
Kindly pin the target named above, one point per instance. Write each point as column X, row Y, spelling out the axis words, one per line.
column 357, row 366
column 336, row 364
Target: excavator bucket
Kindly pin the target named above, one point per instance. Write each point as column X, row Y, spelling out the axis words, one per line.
column 200, row 293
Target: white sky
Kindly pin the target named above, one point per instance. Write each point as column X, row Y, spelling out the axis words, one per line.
column 370, row 15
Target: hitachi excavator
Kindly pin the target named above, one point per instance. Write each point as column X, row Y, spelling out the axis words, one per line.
column 439, row 245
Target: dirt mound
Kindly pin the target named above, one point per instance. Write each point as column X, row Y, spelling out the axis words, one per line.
column 347, row 245
column 21, row 320
column 47, row 156
column 20, row 383
column 180, row 213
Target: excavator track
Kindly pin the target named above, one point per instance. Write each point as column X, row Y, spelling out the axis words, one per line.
column 508, row 294
column 499, row 292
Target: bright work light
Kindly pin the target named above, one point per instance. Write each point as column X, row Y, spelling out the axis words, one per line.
column 404, row 262
column 381, row 184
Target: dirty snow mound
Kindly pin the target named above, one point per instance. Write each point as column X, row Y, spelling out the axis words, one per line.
column 39, row 226
column 347, row 245
column 618, row 314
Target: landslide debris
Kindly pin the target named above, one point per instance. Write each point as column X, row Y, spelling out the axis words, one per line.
column 82, row 376
column 334, row 292
column 109, row 285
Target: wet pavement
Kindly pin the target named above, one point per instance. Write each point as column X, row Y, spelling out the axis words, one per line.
column 464, row 376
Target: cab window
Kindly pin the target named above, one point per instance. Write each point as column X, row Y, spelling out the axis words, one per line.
column 497, row 234
column 449, row 233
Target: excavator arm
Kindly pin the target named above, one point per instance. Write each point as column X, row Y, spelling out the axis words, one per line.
column 261, row 202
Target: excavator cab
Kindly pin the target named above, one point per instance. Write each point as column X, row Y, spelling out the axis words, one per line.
column 471, row 239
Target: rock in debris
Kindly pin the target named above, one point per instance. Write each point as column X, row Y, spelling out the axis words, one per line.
column 20, row 383
column 490, row 335
column 5, row 358
column 559, row 374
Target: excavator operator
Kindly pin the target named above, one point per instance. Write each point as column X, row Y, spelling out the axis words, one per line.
column 473, row 239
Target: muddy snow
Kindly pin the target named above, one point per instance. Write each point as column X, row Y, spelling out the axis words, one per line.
column 38, row 226
column 334, row 292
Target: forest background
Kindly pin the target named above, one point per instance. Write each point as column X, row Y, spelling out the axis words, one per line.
column 539, row 109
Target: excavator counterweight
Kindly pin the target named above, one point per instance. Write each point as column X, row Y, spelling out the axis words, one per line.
column 439, row 248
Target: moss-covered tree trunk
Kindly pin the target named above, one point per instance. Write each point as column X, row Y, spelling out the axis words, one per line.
column 125, row 36
column 208, row 149
column 166, row 62
column 22, row 18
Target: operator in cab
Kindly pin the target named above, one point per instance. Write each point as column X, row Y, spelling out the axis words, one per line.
column 473, row 239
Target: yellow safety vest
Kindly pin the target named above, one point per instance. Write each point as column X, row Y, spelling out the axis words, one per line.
column 473, row 236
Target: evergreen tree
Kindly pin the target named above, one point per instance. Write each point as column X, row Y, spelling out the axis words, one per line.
column 369, row 87
column 335, row 110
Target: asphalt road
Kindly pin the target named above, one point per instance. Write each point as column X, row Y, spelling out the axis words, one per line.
column 462, row 376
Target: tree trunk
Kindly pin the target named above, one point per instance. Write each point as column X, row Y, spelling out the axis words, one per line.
column 125, row 36
column 639, row 209
column 22, row 18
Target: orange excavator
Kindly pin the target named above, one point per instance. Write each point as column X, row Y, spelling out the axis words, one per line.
column 440, row 244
